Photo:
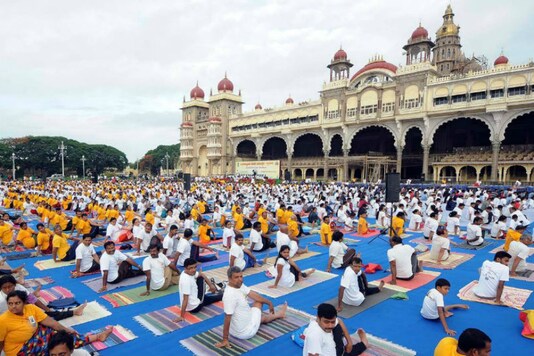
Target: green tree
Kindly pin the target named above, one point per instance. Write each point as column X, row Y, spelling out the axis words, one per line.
column 154, row 159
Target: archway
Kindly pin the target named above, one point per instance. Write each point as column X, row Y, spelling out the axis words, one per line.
column 320, row 173
column 336, row 146
column 412, row 155
column 309, row 173
column 308, row 145
column 332, row 173
column 298, row 173
column 468, row 174
column 520, row 131
column 485, row 173
column 373, row 139
column 274, row 148
column 203, row 161
column 448, row 173
column 246, row 149
column 460, row 133
column 514, row 173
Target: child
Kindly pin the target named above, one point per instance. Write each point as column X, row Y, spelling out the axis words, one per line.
column 434, row 306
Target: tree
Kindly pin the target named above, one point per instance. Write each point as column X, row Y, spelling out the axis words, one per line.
column 155, row 159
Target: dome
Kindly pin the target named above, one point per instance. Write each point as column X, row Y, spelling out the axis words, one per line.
column 215, row 120
column 258, row 107
column 502, row 59
column 225, row 85
column 289, row 101
column 340, row 55
column 376, row 64
column 197, row 93
column 187, row 124
column 420, row 32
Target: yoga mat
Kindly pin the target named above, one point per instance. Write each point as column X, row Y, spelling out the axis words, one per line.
column 346, row 241
column 455, row 259
column 161, row 322
column 419, row 280
column 365, row 236
column 54, row 293
column 50, row 264
column 501, row 248
column 92, row 311
column 370, row 301
column 132, row 296
column 204, row 343
column 511, row 297
column 527, row 275
column 382, row 347
column 421, row 240
column 119, row 336
column 466, row 246
column 36, row 282
column 315, row 278
column 13, row 256
column 96, row 283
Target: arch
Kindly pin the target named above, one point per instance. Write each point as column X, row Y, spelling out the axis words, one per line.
column 447, row 172
column 497, row 84
column 336, row 146
column 506, row 123
column 433, row 130
column 332, row 174
column 517, row 81
column 516, row 172
column 376, row 142
column 309, row 173
column 411, row 92
column 274, row 147
column 245, row 148
column 441, row 92
column 352, row 102
column 369, row 97
column 308, row 145
column 408, row 128
column 202, row 161
column 333, row 105
column 485, row 173
column 298, row 173
column 478, row 87
column 388, row 96
column 412, row 155
column 459, row 89
column 353, row 133
column 467, row 174
column 320, row 173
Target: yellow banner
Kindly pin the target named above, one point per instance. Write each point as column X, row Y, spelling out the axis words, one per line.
column 270, row 169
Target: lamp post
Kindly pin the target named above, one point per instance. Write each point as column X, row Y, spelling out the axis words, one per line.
column 167, row 158
column 62, row 148
column 83, row 165
column 13, row 158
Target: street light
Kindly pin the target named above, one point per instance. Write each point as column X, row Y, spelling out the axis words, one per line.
column 167, row 158
column 83, row 165
column 13, row 158
column 62, row 148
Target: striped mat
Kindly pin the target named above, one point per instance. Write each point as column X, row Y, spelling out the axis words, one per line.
column 36, row 282
column 132, row 296
column 511, row 297
column 54, row 293
column 315, row 278
column 381, row 347
column 455, row 259
column 119, row 336
column 50, row 264
column 420, row 279
column 204, row 343
column 93, row 311
column 161, row 322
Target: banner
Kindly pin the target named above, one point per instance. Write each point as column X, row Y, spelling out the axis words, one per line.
column 270, row 169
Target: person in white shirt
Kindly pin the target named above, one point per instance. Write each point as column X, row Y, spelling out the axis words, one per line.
column 453, row 223
column 116, row 266
column 324, row 335
column 337, row 251
column 441, row 245
column 87, row 261
column 519, row 251
column 415, row 220
column 434, row 305
column 474, row 233
column 189, row 248
column 216, row 220
column 282, row 238
column 258, row 241
column 192, row 289
column 113, row 230
column 498, row 230
column 286, row 271
column 170, row 242
column 160, row 272
column 241, row 256
column 354, row 287
column 228, row 234
column 431, row 225
column 147, row 237
column 493, row 275
column 402, row 261
column 240, row 319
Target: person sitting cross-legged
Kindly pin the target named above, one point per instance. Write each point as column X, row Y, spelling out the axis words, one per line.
column 402, row 260
column 354, row 287
column 116, row 266
column 160, row 272
column 493, row 275
column 286, row 271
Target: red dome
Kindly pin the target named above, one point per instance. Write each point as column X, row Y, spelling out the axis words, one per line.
column 376, row 65
column 340, row 55
column 197, row 93
column 215, row 119
column 501, row 60
column 225, row 85
column 420, row 32
column 258, row 106
column 187, row 124
column 289, row 101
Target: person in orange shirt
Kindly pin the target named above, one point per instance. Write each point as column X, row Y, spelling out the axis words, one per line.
column 471, row 342
column 397, row 225
column 44, row 240
column 26, row 236
column 363, row 225
column 326, row 231
column 149, row 217
column 205, row 232
column 239, row 222
column 281, row 216
column 513, row 235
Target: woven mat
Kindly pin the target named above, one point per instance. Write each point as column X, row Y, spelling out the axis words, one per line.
column 511, row 297
column 132, row 296
column 315, row 278
column 382, row 347
column 92, row 311
column 119, row 336
column 455, row 259
column 370, row 301
column 36, row 282
column 96, row 283
column 419, row 280
column 464, row 245
column 50, row 264
column 54, row 293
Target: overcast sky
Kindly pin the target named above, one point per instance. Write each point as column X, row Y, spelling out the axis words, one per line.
column 116, row 71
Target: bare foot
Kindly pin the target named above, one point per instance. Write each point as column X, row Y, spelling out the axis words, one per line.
column 309, row 272
column 37, row 290
column 104, row 334
column 79, row 310
column 363, row 337
column 282, row 311
column 18, row 269
column 448, row 313
column 381, row 285
column 306, row 249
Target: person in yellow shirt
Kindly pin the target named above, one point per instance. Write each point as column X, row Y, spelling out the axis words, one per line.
column 74, row 221
column 239, row 222
column 281, row 216
column 326, row 231
column 471, row 342
column 26, row 236
column 195, row 214
column 513, row 235
column 6, row 233
column 263, row 220
column 201, row 206
column 397, row 225
column 61, row 250
column 205, row 232
column 85, row 227
column 293, row 226
column 129, row 215
column 149, row 217
column 363, row 225
column 59, row 218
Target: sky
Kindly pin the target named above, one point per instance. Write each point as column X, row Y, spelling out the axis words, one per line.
column 115, row 71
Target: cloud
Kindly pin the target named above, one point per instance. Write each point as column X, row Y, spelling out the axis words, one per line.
column 116, row 71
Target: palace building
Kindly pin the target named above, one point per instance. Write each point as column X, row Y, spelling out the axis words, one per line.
column 440, row 116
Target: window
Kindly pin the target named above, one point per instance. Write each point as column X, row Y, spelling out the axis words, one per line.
column 517, row 91
column 478, row 96
column 351, row 112
column 441, row 101
column 332, row 114
column 458, row 98
column 368, row 109
column 388, row 107
column 411, row 103
column 497, row 93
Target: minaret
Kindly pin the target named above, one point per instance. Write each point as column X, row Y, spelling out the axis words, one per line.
column 418, row 47
column 339, row 66
column 447, row 51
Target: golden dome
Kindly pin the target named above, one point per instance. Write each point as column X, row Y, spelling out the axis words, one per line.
column 449, row 27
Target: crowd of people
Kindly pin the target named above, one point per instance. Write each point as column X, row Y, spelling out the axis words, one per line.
column 173, row 231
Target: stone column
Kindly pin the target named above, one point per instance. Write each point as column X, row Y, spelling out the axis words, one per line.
column 426, row 156
column 496, row 146
column 289, row 159
column 210, row 167
column 399, row 159
column 345, row 164
column 194, row 167
column 325, row 165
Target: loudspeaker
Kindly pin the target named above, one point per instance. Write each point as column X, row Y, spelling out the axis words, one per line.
column 287, row 175
column 187, row 181
column 392, row 187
